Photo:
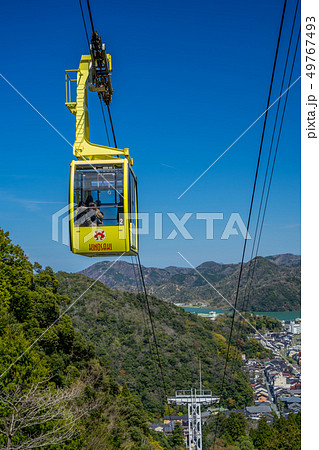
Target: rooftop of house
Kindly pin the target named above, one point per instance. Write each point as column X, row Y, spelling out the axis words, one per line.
column 260, row 395
column 242, row 411
column 294, row 407
column 183, row 417
column 292, row 399
column 259, row 409
column 291, row 393
column 217, row 409
column 278, row 389
column 286, row 393
column 153, row 426
column 259, row 386
column 287, row 411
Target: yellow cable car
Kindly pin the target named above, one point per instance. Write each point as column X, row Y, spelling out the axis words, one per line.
column 103, row 191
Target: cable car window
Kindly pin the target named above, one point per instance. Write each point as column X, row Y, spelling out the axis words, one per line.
column 98, row 192
column 132, row 196
column 132, row 208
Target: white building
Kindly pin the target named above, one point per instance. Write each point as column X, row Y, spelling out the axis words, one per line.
column 280, row 381
column 292, row 326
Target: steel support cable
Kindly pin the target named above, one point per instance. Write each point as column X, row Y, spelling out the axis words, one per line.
column 254, row 189
column 272, row 169
column 90, row 14
column 253, row 262
column 273, row 133
column 104, row 120
column 138, row 287
column 111, row 122
column 108, row 107
column 276, row 151
column 86, row 31
column 154, row 333
column 271, row 176
column 251, row 205
column 147, row 325
column 151, row 347
column 144, row 309
column 139, row 291
column 87, row 37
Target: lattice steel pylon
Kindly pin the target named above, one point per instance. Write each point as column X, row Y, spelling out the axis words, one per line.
column 194, row 399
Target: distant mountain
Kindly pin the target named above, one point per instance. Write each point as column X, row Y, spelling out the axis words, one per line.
column 286, row 260
column 275, row 286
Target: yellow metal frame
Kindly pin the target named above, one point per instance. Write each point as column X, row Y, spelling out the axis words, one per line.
column 118, row 239
column 83, row 148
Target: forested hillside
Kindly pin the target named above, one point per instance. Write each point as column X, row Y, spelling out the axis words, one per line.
column 78, row 368
column 235, row 432
column 275, row 287
column 56, row 393
column 116, row 322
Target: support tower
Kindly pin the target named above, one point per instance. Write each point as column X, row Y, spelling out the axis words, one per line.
column 194, row 399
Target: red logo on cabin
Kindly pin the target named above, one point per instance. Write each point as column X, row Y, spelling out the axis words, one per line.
column 99, row 235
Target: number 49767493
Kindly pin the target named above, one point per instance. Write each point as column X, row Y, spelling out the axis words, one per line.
column 310, row 27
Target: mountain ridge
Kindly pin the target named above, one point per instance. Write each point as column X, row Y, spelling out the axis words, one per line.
column 276, row 285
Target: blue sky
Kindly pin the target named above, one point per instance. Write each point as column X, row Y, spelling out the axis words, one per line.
column 188, row 79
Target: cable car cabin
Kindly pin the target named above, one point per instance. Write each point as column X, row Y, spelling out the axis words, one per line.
column 103, row 194
column 103, row 208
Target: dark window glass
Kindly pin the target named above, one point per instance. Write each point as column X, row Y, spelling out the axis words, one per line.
column 98, row 194
column 133, row 208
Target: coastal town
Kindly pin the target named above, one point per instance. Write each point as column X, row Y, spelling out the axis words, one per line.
column 276, row 382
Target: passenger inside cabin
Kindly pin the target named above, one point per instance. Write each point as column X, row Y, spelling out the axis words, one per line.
column 89, row 200
column 96, row 215
column 88, row 214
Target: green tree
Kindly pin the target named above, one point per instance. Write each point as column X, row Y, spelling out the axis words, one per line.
column 263, row 434
column 177, row 438
column 125, row 391
column 15, row 278
column 254, row 349
column 244, row 443
column 28, row 366
column 236, row 426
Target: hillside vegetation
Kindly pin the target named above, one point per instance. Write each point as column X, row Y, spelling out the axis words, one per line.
column 54, row 391
column 77, row 362
column 275, row 287
column 235, row 432
column 116, row 322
